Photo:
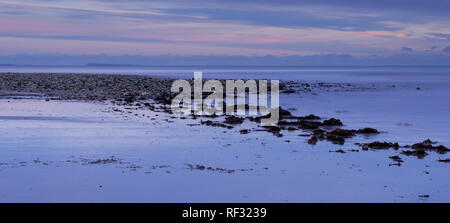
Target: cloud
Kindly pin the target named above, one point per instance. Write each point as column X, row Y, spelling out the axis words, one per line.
column 446, row 49
column 82, row 11
column 286, row 26
column 337, row 15
column 441, row 36
column 407, row 49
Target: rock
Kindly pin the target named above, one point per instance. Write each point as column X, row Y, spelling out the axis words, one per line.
column 428, row 145
column 304, row 135
column 338, row 151
column 420, row 154
column 444, row 160
column 313, row 140
column 309, row 124
column 215, row 124
column 338, row 136
column 336, row 139
column 233, row 120
column 310, row 117
column 244, row 131
column 285, row 123
column 380, row 145
column 368, row 131
column 396, row 159
column 332, row 122
column 275, row 130
column 288, row 91
column 342, row 132
column 284, row 113
column 200, row 167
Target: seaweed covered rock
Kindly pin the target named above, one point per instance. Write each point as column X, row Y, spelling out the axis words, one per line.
column 307, row 117
column 368, row 131
column 332, row 122
column 428, row 145
column 396, row 159
column 233, row 120
column 338, row 136
column 275, row 130
column 343, row 132
column 313, row 140
column 420, row 154
column 309, row 124
column 380, row 145
column 336, row 139
column 310, row 117
column 244, row 131
column 216, row 124
column 284, row 113
column 164, row 98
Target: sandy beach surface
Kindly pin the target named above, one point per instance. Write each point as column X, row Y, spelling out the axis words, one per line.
column 109, row 138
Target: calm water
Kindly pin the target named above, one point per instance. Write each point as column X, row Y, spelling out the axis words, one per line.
column 331, row 74
column 48, row 140
column 42, row 158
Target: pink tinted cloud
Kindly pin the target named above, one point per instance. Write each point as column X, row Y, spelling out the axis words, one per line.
column 113, row 33
column 382, row 34
column 43, row 27
column 31, row 45
column 251, row 39
column 33, row 26
column 98, row 10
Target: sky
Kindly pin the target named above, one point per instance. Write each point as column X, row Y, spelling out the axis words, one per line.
column 249, row 28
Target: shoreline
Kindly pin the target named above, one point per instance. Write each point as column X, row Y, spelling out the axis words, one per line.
column 208, row 153
column 150, row 93
column 90, row 87
column 100, row 87
column 139, row 140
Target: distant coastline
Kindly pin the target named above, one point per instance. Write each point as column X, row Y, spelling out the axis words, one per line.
column 214, row 65
column 403, row 59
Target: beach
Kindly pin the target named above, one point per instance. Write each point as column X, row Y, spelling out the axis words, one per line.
column 111, row 138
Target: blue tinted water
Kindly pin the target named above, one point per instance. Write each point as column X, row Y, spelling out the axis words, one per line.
column 329, row 74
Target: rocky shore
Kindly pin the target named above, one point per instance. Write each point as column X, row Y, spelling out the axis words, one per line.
column 135, row 91
column 100, row 87
column 86, row 86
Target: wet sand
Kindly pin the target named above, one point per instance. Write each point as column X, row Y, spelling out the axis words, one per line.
column 105, row 148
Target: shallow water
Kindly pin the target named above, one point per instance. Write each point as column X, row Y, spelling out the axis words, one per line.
column 49, row 149
column 406, row 116
column 421, row 74
column 46, row 148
